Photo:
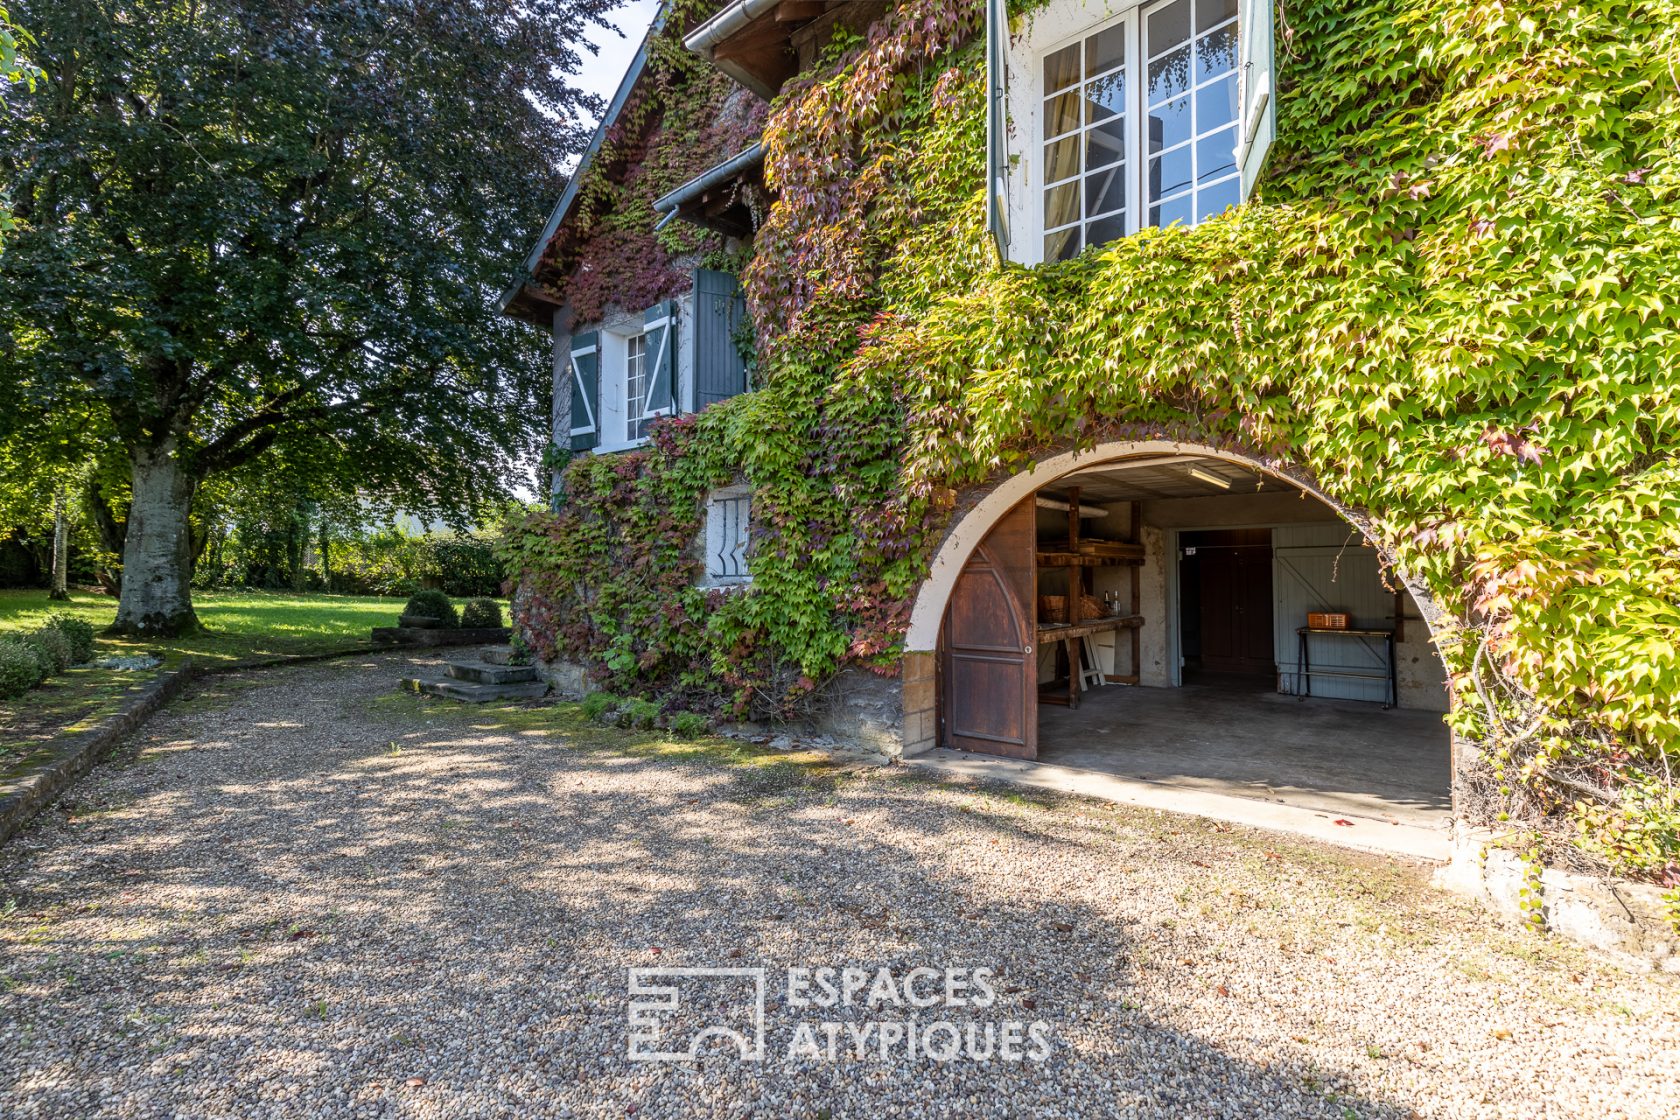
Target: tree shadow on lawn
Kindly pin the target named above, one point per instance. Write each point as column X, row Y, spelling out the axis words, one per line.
column 462, row 908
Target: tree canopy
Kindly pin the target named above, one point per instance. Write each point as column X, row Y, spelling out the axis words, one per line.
column 242, row 223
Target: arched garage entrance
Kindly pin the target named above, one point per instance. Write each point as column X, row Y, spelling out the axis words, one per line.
column 1185, row 616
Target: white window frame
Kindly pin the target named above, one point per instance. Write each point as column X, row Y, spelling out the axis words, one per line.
column 1136, row 15
column 635, row 411
column 721, row 506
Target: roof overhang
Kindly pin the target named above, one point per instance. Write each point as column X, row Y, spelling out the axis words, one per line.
column 751, row 40
column 712, row 199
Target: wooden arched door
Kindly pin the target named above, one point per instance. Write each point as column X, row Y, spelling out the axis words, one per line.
column 989, row 671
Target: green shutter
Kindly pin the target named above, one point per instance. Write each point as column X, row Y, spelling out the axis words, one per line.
column 997, row 124
column 660, row 324
column 719, row 311
column 1257, row 72
column 586, row 390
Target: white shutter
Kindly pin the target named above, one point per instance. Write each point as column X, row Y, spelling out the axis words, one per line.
column 586, row 390
column 1257, row 78
column 997, row 124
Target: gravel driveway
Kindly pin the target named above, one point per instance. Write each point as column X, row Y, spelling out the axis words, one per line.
column 302, row 895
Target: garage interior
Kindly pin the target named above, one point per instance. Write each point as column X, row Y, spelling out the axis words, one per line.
column 1149, row 618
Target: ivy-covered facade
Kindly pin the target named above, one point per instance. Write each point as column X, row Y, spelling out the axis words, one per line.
column 1440, row 300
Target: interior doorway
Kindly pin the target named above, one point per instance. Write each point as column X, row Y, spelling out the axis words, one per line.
column 1225, row 606
column 1191, row 621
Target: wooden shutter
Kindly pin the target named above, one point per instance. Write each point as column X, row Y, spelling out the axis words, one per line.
column 586, row 390
column 1257, row 96
column 719, row 311
column 660, row 325
column 997, row 124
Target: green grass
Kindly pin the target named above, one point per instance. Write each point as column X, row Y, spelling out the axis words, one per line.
column 240, row 626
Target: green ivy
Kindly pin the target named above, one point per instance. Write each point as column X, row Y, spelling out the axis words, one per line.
column 1451, row 306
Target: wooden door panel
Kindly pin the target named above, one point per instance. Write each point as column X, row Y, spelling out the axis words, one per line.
column 989, row 690
column 1236, row 608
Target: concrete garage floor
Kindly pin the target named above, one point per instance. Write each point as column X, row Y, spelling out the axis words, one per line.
column 1249, row 755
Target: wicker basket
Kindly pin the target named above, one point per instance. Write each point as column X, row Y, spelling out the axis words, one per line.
column 1091, row 607
column 1053, row 609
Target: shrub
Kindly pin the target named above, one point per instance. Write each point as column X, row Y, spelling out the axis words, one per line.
column 688, row 725
column 20, row 669
column 78, row 633
column 638, row 713
column 53, row 648
column 481, row 614
column 433, row 604
column 598, row 704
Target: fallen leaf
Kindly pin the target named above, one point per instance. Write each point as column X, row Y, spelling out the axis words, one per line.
column 1062, row 927
column 1502, row 1034
column 415, row 1082
column 1343, row 823
column 1223, row 990
column 300, row 934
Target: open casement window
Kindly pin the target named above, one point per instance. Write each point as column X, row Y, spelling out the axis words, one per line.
column 586, row 390
column 728, row 517
column 1158, row 115
column 997, row 124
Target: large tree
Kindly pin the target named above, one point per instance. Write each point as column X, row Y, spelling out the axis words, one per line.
column 243, row 221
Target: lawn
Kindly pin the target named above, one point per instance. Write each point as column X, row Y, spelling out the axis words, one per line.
column 241, row 626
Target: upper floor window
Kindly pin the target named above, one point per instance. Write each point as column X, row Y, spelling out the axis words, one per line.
column 635, row 388
column 1104, row 117
column 1138, row 124
column 622, row 379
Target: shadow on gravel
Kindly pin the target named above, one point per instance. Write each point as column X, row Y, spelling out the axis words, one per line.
column 287, row 906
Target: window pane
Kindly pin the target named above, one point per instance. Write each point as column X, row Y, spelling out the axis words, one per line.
column 1212, row 13
column 1216, row 200
column 1167, row 213
column 1105, row 50
column 1106, row 191
column 1216, row 53
column 1108, row 229
column 1169, row 76
column 1216, row 105
column 1168, row 27
column 1216, row 155
column 1061, row 159
column 1169, row 173
column 1061, row 205
column 1061, row 113
column 1169, row 124
column 1105, row 97
column 1061, row 69
column 1061, row 245
column 1105, row 143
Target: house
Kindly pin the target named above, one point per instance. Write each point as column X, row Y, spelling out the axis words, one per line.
column 1090, row 406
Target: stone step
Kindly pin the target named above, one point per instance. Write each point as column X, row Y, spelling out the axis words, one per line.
column 482, row 672
column 475, row 693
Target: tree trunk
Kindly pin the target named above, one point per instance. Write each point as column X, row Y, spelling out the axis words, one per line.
column 61, row 551
column 156, row 596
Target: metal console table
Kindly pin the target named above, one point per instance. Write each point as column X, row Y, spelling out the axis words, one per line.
column 1390, row 675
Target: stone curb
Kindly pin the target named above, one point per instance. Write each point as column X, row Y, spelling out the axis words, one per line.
column 1622, row 920
column 51, row 767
